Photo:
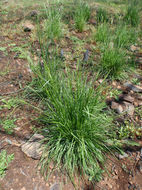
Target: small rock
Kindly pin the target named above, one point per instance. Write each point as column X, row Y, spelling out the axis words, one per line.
column 129, row 108
column 127, row 98
column 132, row 87
column 86, row 56
column 117, row 107
column 100, row 81
column 33, row 148
column 140, row 103
column 33, row 13
column 23, row 188
column 134, row 48
column 136, row 104
column 55, row 186
column 139, row 60
column 121, row 156
column 28, row 27
column 139, row 166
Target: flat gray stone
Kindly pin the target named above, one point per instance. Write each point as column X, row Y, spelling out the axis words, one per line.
column 127, row 98
column 33, row 148
column 134, row 88
column 55, row 186
column 117, row 107
column 129, row 108
column 121, row 156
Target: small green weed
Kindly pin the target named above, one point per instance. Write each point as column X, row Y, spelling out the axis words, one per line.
column 8, row 125
column 112, row 62
column 82, row 15
column 21, row 54
column 4, row 162
column 9, row 103
column 3, row 48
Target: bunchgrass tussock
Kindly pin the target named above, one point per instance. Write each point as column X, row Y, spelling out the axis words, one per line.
column 81, row 16
column 132, row 15
column 103, row 33
column 77, row 130
column 112, row 62
column 102, row 15
column 124, row 36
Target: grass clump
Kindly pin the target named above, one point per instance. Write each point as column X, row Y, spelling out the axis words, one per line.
column 53, row 24
column 4, row 162
column 82, row 15
column 132, row 15
column 124, row 37
column 78, row 133
column 102, row 15
column 103, row 33
column 112, row 62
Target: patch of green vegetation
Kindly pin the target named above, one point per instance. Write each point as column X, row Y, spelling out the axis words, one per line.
column 112, row 62
column 8, row 125
column 3, row 48
column 81, row 16
column 102, row 15
column 103, row 33
column 9, row 103
column 132, row 15
column 53, row 26
column 4, row 162
column 114, row 93
column 124, row 36
column 12, row 45
column 129, row 131
column 20, row 52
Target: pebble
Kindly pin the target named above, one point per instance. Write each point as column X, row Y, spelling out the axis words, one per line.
column 23, row 188
column 132, row 87
column 117, row 107
column 121, row 156
column 55, row 186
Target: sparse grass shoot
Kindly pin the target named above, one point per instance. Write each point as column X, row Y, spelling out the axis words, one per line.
column 53, row 27
column 132, row 15
column 82, row 15
column 124, row 36
column 103, row 33
column 112, row 62
column 102, row 15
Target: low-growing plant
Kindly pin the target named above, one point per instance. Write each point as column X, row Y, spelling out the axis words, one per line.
column 8, row 125
column 132, row 15
column 78, row 132
column 102, row 15
column 124, row 36
column 9, row 103
column 112, row 62
column 103, row 33
column 82, row 15
column 4, row 162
